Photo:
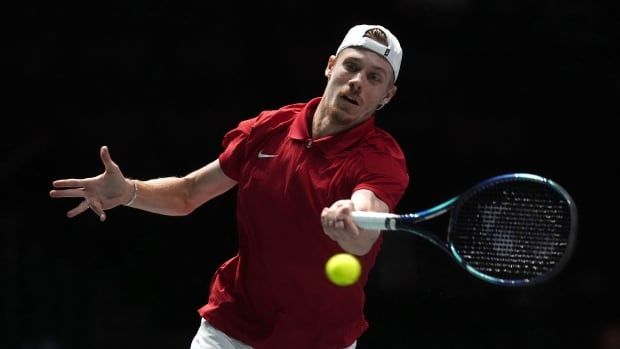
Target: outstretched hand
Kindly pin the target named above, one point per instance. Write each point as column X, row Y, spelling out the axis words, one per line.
column 100, row 193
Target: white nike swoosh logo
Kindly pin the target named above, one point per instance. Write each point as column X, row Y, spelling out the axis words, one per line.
column 263, row 155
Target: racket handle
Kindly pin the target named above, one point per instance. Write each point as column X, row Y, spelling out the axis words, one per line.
column 372, row 220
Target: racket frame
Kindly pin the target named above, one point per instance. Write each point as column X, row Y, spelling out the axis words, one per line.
column 406, row 222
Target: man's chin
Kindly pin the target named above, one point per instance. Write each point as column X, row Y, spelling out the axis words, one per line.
column 347, row 110
column 345, row 116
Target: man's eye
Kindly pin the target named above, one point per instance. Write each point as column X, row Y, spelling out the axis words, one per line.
column 350, row 66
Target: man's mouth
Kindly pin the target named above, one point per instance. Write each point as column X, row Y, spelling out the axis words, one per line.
column 351, row 100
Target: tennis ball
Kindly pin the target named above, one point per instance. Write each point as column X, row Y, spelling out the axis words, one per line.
column 343, row 269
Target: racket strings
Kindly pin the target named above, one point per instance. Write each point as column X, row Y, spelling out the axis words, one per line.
column 512, row 230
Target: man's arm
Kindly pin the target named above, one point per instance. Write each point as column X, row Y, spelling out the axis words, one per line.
column 169, row 196
column 178, row 196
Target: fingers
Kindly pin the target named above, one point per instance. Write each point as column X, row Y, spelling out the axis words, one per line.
column 334, row 224
column 104, row 154
column 68, row 188
column 68, row 183
column 68, row 193
column 349, row 224
column 338, row 226
column 97, row 207
column 83, row 206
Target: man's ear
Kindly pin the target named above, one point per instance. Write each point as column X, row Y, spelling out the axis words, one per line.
column 330, row 66
column 391, row 92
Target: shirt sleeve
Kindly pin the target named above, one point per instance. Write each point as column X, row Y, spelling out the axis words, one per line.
column 385, row 175
column 234, row 144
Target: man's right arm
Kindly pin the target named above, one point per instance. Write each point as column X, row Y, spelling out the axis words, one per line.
column 179, row 196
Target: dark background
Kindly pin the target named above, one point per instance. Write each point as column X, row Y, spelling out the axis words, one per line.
column 486, row 87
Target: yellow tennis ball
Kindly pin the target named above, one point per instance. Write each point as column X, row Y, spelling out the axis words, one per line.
column 343, row 269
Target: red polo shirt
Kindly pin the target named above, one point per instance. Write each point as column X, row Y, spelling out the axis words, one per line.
column 274, row 293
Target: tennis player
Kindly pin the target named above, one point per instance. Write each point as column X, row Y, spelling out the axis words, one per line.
column 299, row 172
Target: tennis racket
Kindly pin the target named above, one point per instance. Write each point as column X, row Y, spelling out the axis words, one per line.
column 516, row 229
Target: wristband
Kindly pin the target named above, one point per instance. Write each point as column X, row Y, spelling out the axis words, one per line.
column 135, row 194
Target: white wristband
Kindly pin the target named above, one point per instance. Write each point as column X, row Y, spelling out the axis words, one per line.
column 135, row 193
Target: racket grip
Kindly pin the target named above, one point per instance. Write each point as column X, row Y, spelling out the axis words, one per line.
column 372, row 220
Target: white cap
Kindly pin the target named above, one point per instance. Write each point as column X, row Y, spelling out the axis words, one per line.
column 393, row 53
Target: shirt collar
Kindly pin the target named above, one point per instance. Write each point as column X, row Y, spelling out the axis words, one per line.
column 329, row 144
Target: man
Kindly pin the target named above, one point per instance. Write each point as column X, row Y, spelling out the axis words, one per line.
column 300, row 171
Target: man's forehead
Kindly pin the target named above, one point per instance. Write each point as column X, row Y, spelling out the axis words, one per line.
column 363, row 55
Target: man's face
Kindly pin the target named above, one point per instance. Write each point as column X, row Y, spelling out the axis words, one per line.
column 359, row 81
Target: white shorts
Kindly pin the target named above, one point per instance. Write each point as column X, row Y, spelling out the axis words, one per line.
column 209, row 337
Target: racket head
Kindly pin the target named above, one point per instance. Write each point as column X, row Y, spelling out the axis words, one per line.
column 516, row 229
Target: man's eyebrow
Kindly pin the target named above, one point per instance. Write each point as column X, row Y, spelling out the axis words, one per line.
column 359, row 60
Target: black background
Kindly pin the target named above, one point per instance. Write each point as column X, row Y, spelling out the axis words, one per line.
column 486, row 87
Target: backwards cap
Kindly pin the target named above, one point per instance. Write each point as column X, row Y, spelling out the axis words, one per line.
column 393, row 53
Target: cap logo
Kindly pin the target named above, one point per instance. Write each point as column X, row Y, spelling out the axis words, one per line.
column 387, row 52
